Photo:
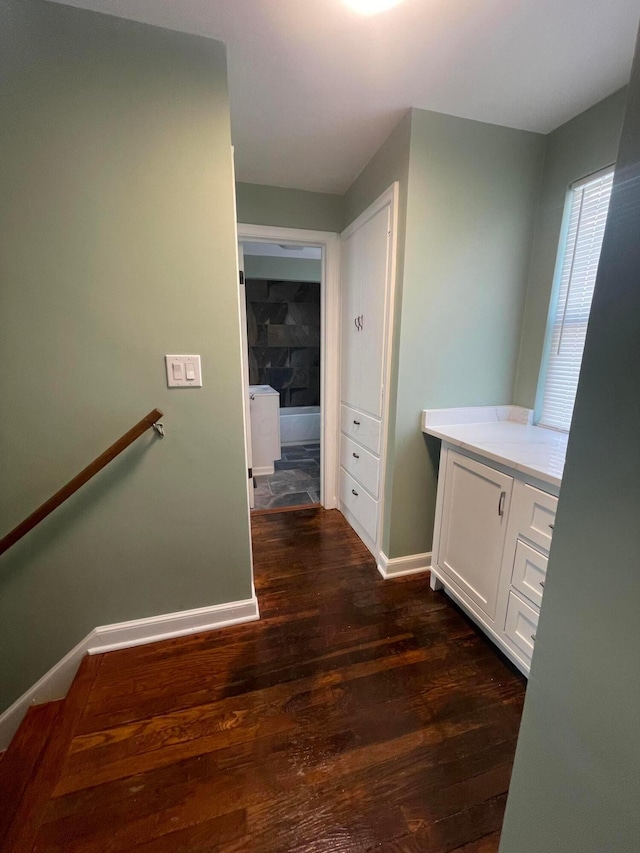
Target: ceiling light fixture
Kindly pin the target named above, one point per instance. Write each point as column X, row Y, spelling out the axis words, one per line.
column 371, row 7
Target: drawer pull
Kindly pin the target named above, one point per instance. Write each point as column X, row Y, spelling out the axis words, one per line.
column 533, row 637
column 503, row 495
column 551, row 526
column 542, row 584
column 356, row 456
column 353, row 492
column 357, row 423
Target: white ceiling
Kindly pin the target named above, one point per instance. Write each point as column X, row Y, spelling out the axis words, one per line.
column 316, row 88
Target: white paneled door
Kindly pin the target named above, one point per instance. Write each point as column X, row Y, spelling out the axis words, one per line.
column 365, row 286
column 351, row 278
column 375, row 262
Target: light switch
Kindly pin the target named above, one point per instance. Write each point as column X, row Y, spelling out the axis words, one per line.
column 183, row 371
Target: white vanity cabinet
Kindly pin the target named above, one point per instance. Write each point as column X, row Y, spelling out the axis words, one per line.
column 492, row 536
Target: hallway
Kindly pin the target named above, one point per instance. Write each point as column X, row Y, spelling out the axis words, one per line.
column 357, row 715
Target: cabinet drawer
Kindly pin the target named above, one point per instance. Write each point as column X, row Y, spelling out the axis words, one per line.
column 536, row 515
column 359, row 503
column 529, row 572
column 520, row 625
column 361, row 464
column 363, row 428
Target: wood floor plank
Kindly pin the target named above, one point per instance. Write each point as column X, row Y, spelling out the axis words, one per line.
column 356, row 715
column 23, row 831
column 21, row 760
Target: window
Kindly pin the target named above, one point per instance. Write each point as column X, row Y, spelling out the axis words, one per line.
column 588, row 204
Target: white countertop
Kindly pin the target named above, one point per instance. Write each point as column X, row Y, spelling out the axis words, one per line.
column 262, row 389
column 532, row 450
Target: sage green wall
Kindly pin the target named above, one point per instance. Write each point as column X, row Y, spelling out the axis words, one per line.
column 282, row 269
column 472, row 195
column 576, row 783
column 584, row 145
column 117, row 224
column 388, row 165
column 288, row 208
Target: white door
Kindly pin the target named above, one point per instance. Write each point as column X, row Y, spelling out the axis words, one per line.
column 365, row 286
column 245, row 372
column 351, row 287
column 374, row 237
column 473, row 527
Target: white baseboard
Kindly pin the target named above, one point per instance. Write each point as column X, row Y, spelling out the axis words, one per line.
column 397, row 567
column 265, row 471
column 110, row 638
column 55, row 683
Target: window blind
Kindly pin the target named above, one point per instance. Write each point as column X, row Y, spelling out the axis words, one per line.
column 587, row 219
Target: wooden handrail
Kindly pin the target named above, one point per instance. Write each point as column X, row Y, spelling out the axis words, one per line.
column 79, row 480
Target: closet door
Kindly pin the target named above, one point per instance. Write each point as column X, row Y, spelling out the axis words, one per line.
column 351, row 336
column 368, row 249
column 374, row 242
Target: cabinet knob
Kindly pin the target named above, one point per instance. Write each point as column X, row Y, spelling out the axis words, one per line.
column 356, row 456
column 353, row 492
column 357, row 423
column 542, row 584
column 533, row 637
column 551, row 526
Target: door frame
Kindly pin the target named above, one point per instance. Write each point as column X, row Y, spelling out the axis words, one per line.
column 245, row 376
column 329, row 242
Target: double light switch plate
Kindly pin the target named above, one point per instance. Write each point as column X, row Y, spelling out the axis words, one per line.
column 183, row 371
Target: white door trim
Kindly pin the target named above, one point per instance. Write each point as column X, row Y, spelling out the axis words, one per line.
column 245, row 376
column 329, row 242
column 246, row 423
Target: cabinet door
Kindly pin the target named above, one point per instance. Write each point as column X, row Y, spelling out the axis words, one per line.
column 351, row 283
column 473, row 526
column 374, row 239
column 365, row 280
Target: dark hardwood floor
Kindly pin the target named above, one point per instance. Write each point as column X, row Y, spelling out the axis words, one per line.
column 357, row 715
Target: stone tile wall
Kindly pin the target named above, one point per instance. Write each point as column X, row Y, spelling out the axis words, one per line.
column 283, row 320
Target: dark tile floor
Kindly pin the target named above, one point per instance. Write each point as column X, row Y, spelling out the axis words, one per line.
column 295, row 481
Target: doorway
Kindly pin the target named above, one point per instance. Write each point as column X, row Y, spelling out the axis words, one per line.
column 290, row 349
